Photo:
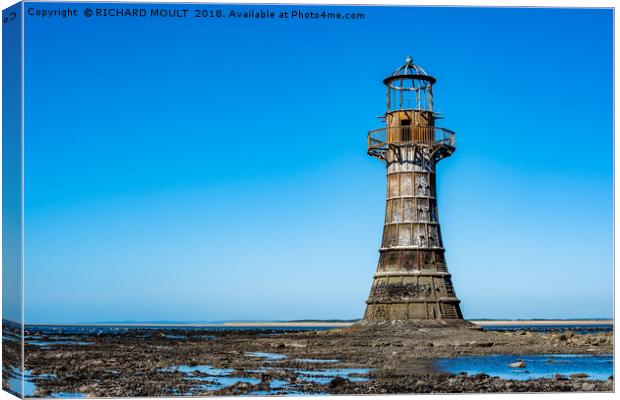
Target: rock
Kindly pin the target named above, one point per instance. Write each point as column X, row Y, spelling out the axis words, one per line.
column 579, row 375
column 241, row 386
column 337, row 381
column 295, row 344
column 588, row 386
column 420, row 386
column 517, row 364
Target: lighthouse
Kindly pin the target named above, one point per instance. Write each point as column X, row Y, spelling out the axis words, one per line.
column 412, row 281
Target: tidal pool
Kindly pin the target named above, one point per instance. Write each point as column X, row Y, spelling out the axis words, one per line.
column 218, row 378
column 205, row 369
column 176, row 337
column 267, row 356
column 214, row 378
column 325, row 376
column 15, row 381
column 220, row 382
column 67, row 395
column 57, row 342
column 536, row 366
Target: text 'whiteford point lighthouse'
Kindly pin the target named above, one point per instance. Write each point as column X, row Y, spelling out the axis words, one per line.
column 412, row 281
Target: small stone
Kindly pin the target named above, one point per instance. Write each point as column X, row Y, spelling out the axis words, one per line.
column 517, row 364
column 588, row 386
column 337, row 381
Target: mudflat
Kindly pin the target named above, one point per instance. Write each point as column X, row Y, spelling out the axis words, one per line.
column 389, row 357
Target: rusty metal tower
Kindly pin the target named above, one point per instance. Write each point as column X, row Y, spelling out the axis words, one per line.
column 412, row 281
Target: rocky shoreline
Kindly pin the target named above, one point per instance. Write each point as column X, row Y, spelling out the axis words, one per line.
column 378, row 359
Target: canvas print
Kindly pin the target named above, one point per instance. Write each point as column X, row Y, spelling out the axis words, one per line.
column 230, row 199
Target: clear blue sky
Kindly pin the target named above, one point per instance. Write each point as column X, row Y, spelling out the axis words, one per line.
column 196, row 169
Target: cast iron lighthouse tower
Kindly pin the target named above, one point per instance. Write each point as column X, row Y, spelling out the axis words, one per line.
column 412, row 281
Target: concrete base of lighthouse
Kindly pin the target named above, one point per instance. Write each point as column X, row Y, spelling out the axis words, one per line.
column 414, row 324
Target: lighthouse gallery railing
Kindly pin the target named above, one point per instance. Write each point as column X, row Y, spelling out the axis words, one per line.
column 379, row 139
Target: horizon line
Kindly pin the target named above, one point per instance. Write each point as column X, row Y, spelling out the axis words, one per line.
column 305, row 322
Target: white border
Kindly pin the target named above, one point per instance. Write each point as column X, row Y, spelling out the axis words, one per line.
column 479, row 3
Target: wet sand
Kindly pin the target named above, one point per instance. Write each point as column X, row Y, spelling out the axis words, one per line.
column 389, row 358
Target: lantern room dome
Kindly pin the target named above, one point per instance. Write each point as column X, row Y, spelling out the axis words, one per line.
column 409, row 71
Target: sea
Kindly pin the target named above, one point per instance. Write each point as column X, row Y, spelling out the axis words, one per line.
column 110, row 329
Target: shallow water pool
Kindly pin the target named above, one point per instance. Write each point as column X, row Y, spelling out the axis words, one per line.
column 205, row 369
column 267, row 356
column 325, row 376
column 536, row 366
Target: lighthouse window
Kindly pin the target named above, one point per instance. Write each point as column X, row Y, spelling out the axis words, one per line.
column 405, row 130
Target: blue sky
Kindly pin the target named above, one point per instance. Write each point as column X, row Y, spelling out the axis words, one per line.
column 11, row 167
column 189, row 169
